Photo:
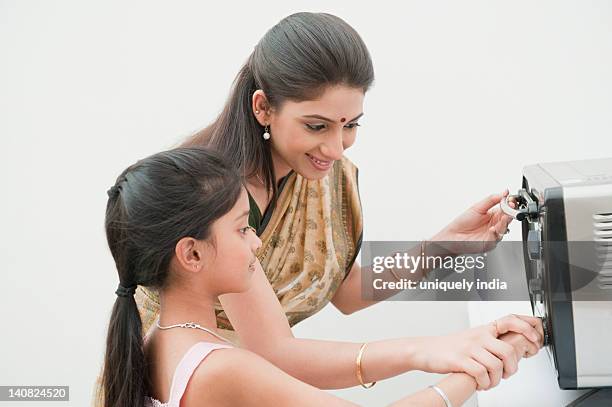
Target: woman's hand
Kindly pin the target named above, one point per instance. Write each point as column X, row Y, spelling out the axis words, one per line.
column 482, row 222
column 478, row 351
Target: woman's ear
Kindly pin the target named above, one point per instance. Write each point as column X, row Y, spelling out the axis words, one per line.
column 189, row 254
column 261, row 107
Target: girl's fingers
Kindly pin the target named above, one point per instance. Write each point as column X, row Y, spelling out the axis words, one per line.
column 530, row 349
column 506, row 354
column 478, row 372
column 524, row 347
column 516, row 324
column 534, row 322
column 494, row 366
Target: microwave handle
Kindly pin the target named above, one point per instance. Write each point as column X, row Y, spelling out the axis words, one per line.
column 510, row 211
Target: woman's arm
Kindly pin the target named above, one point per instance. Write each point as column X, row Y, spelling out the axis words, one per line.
column 482, row 223
column 349, row 296
column 263, row 328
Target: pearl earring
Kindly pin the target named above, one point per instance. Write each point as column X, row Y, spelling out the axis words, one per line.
column 266, row 135
column 256, row 111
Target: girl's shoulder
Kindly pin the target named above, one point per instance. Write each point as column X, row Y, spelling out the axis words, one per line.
column 195, row 359
column 226, row 375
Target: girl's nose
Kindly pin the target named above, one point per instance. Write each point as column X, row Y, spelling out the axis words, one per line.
column 256, row 242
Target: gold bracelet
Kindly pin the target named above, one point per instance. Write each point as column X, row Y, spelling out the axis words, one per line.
column 422, row 268
column 359, row 376
column 422, row 262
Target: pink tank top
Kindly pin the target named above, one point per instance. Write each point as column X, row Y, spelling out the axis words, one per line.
column 188, row 364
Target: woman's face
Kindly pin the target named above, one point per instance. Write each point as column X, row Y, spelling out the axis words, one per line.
column 231, row 260
column 309, row 136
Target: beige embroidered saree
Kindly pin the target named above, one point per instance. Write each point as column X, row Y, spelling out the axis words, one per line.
column 309, row 242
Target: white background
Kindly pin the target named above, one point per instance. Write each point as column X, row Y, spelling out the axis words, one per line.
column 466, row 94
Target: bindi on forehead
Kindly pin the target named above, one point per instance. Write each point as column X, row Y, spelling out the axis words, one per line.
column 342, row 119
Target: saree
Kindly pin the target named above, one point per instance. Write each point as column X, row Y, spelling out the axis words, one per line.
column 310, row 240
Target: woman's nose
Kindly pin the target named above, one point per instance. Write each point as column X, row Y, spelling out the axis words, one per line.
column 333, row 148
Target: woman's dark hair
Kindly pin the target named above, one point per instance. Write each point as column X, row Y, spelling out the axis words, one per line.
column 295, row 60
column 153, row 204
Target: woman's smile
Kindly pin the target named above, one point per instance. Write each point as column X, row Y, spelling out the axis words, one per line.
column 319, row 164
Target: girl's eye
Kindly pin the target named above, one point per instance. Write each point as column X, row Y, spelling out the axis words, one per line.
column 315, row 127
column 246, row 229
column 352, row 125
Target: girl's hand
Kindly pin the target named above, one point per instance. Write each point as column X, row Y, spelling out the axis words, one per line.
column 478, row 351
column 523, row 348
column 483, row 222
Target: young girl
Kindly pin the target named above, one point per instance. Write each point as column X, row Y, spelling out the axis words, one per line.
column 177, row 222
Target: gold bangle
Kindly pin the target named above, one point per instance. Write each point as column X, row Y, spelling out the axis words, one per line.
column 359, row 376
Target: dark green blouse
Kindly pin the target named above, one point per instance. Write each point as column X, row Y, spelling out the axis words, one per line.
column 256, row 219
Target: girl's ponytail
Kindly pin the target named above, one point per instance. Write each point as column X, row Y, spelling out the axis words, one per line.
column 124, row 383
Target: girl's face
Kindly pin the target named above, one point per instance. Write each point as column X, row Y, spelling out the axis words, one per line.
column 231, row 260
column 309, row 136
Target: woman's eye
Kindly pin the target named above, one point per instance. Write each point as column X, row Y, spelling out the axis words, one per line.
column 315, row 127
column 318, row 127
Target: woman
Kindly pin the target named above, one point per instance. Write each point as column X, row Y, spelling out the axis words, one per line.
column 177, row 222
column 293, row 110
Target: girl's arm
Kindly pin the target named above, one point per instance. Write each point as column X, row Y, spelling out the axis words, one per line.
column 262, row 328
column 242, row 378
column 458, row 387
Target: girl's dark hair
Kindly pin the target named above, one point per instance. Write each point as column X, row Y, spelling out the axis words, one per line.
column 153, row 204
column 295, row 60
